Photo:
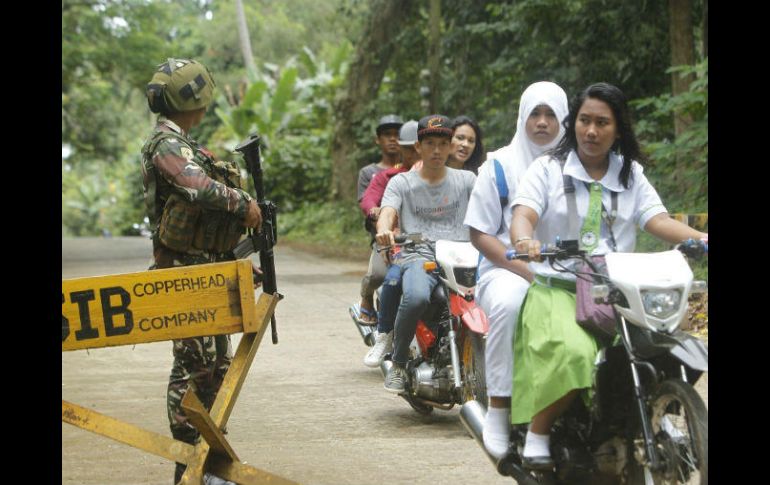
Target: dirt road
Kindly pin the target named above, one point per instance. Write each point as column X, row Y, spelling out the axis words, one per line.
column 309, row 410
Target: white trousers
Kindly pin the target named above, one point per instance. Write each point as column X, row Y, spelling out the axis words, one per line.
column 500, row 294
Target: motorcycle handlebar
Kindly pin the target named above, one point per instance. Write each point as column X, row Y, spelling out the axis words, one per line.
column 693, row 248
column 545, row 251
column 403, row 240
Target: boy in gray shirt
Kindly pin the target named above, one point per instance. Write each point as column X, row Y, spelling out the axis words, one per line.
column 432, row 202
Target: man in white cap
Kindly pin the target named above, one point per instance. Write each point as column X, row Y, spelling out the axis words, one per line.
column 370, row 204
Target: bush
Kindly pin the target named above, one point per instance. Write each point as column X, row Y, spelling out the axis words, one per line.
column 331, row 229
column 678, row 166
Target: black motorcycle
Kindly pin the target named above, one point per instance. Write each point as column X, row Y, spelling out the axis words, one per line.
column 646, row 425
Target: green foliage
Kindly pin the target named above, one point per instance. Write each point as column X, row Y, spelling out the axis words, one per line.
column 490, row 52
column 278, row 31
column 100, row 198
column 493, row 50
column 292, row 116
column 678, row 165
column 336, row 226
column 109, row 49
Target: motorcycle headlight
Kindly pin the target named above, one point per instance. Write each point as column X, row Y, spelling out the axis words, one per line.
column 661, row 303
column 465, row 276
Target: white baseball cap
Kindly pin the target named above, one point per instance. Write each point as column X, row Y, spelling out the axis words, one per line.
column 407, row 135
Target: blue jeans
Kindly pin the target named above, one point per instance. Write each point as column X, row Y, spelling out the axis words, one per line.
column 417, row 287
column 390, row 297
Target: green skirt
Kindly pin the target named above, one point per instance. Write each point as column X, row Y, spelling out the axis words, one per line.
column 552, row 354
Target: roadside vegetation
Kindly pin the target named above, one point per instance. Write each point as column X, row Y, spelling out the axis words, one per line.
column 316, row 134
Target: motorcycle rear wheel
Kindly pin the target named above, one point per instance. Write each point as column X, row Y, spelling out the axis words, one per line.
column 680, row 423
column 473, row 373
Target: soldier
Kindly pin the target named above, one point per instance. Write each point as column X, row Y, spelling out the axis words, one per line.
column 197, row 212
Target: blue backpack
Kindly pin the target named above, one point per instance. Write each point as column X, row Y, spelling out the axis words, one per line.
column 502, row 192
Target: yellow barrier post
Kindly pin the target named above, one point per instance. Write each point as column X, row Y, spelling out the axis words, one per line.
column 699, row 221
column 167, row 304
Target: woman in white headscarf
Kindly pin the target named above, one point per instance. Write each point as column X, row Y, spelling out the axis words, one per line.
column 503, row 284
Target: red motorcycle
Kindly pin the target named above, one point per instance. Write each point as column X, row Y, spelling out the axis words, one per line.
column 446, row 364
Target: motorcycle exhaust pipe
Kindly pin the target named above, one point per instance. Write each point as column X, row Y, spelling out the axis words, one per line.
column 366, row 331
column 472, row 415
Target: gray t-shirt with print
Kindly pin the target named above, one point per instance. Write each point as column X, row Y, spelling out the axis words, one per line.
column 365, row 176
column 436, row 211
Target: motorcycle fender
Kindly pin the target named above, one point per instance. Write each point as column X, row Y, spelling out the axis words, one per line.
column 690, row 351
column 476, row 320
column 471, row 315
column 682, row 346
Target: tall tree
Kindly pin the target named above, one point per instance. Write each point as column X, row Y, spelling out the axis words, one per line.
column 373, row 53
column 682, row 53
column 245, row 40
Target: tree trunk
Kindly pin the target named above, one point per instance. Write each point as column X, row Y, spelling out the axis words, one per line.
column 682, row 53
column 434, row 54
column 245, row 40
column 371, row 59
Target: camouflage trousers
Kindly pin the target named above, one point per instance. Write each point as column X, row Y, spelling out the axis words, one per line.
column 199, row 362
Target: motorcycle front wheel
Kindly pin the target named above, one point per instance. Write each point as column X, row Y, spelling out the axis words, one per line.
column 473, row 375
column 680, row 423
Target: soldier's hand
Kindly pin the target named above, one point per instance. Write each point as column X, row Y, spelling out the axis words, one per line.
column 258, row 275
column 253, row 215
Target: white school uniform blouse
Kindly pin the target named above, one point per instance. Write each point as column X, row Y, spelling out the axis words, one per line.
column 542, row 190
column 484, row 212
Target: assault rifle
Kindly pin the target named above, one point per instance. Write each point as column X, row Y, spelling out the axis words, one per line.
column 264, row 240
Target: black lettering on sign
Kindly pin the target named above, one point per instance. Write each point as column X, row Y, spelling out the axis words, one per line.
column 82, row 298
column 110, row 311
column 65, row 324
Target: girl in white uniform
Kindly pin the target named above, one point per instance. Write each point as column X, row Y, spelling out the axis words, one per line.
column 502, row 284
column 554, row 356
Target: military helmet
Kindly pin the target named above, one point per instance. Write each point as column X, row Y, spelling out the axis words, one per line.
column 180, row 85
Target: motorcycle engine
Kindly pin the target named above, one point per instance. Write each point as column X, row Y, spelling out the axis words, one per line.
column 431, row 385
column 611, row 456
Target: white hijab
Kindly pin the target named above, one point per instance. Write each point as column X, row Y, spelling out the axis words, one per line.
column 519, row 154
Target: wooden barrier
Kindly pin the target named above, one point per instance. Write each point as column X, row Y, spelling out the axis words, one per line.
column 696, row 221
column 166, row 304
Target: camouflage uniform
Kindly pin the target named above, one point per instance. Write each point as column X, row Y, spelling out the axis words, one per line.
column 172, row 163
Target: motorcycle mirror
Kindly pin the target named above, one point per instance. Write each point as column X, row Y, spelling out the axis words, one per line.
column 698, row 286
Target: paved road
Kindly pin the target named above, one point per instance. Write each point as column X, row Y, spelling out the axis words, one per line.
column 309, row 410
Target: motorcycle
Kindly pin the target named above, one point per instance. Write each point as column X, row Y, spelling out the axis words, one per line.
column 446, row 362
column 646, row 424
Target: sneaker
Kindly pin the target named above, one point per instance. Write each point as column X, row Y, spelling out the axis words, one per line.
column 394, row 381
column 383, row 344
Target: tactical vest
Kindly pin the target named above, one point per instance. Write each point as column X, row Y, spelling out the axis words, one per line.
column 182, row 225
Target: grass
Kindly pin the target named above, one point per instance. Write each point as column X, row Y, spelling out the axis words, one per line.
column 331, row 229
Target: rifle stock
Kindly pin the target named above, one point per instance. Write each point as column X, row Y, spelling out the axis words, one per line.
column 261, row 241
